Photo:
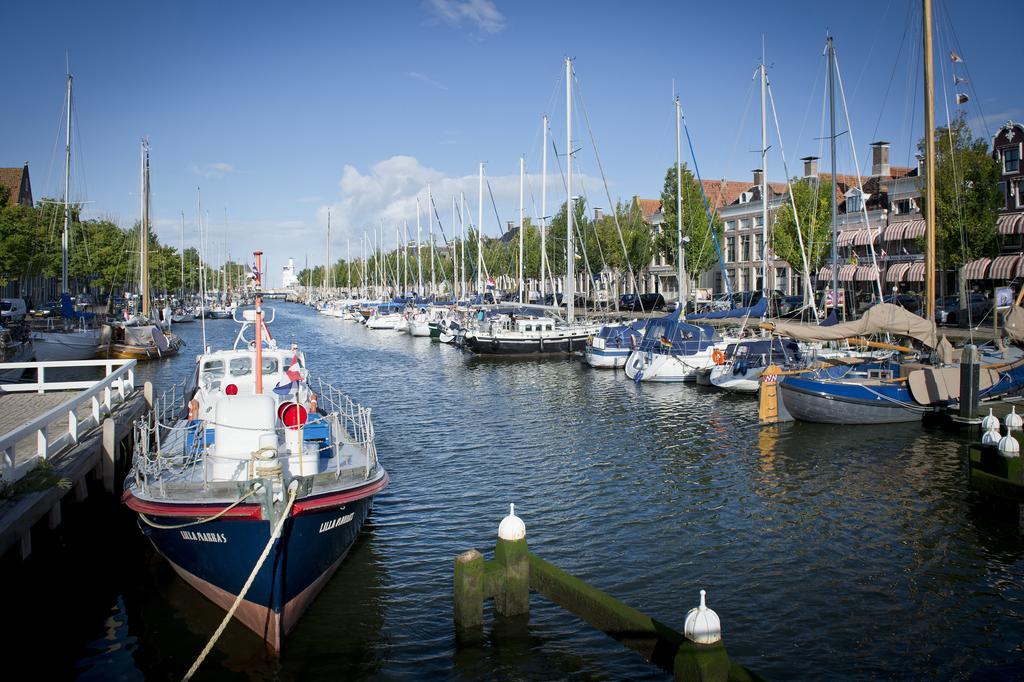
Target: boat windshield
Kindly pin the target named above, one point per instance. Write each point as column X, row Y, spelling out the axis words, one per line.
column 213, row 369
column 242, row 366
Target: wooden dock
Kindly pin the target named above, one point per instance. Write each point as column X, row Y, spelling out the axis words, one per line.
column 55, row 439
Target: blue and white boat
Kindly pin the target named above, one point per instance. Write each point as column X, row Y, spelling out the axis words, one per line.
column 743, row 363
column 671, row 350
column 610, row 347
column 254, row 486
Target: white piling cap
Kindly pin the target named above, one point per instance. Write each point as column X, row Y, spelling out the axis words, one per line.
column 512, row 527
column 991, row 422
column 1009, row 447
column 1013, row 420
column 990, row 437
column 702, row 624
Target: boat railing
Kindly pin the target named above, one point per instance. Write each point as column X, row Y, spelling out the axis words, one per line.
column 168, row 443
column 100, row 395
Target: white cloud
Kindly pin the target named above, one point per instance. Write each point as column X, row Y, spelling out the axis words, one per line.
column 422, row 77
column 480, row 14
column 389, row 190
column 212, row 170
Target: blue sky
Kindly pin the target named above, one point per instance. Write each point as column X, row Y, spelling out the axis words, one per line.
column 281, row 110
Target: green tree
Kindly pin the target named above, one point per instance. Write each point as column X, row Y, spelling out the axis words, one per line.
column 967, row 196
column 700, row 249
column 813, row 200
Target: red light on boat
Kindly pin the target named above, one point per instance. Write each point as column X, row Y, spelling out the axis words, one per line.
column 292, row 415
column 231, row 389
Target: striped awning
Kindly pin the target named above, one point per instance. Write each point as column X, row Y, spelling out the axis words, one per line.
column 915, row 273
column 846, row 272
column 914, row 229
column 893, row 232
column 897, row 272
column 1011, row 223
column 865, row 237
column 825, row 273
column 1004, row 267
column 977, row 269
column 845, row 238
column 866, row 273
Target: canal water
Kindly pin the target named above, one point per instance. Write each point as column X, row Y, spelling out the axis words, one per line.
column 828, row 553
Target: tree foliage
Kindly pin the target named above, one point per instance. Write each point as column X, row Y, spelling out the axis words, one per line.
column 813, row 200
column 700, row 249
column 967, row 196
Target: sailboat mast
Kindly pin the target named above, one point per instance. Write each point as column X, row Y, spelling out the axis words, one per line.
column 832, row 144
column 144, row 233
column 183, row 257
column 480, row 236
column 929, row 140
column 455, row 257
column 430, row 222
column 462, row 242
column 67, row 193
column 327, row 267
column 348, row 248
column 680, row 265
column 570, row 237
column 419, row 260
column 543, row 204
column 522, row 241
column 764, row 179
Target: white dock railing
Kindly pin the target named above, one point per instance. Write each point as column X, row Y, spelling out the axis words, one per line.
column 102, row 395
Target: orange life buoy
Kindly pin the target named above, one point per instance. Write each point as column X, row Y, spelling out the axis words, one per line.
column 193, row 409
column 312, row 402
column 718, row 356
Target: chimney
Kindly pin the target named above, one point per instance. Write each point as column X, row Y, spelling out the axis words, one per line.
column 880, row 159
column 920, row 166
column 598, row 213
column 810, row 166
column 758, row 176
column 511, row 225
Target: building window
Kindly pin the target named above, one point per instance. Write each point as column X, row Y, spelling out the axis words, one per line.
column 718, row 282
column 904, row 206
column 744, row 248
column 729, row 224
column 853, row 202
column 1020, row 193
column 759, row 255
column 781, row 279
column 741, row 224
column 727, row 256
column 758, row 221
column 1011, row 160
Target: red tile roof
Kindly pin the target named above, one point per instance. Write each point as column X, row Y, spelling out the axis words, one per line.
column 11, row 179
column 649, row 207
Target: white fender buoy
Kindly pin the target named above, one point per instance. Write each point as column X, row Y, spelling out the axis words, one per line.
column 990, row 437
column 991, row 422
column 512, row 527
column 1009, row 447
column 1013, row 420
column 702, row 624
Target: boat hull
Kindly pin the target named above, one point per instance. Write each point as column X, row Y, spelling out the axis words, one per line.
column 496, row 345
column 72, row 345
column 723, row 377
column 841, row 403
column 217, row 557
column 662, row 367
column 605, row 358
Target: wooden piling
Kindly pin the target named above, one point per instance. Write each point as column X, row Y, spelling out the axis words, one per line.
column 513, row 558
column 108, row 459
column 469, row 590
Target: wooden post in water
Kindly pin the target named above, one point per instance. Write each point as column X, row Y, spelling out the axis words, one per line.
column 469, row 590
column 513, row 559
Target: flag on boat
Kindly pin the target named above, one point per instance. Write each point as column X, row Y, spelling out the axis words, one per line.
column 961, row 98
column 665, row 342
column 957, row 80
column 294, row 370
column 955, row 58
column 490, row 283
column 285, row 389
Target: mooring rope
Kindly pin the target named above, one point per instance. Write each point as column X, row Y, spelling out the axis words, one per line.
column 292, row 491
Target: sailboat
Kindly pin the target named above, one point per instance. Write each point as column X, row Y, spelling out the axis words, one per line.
column 72, row 338
column 535, row 330
column 888, row 390
column 255, row 487
column 139, row 337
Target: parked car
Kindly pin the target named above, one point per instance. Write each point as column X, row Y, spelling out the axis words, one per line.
column 948, row 310
column 788, row 306
column 12, row 310
column 646, row 302
column 48, row 309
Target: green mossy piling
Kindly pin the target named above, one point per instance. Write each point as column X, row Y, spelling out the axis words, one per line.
column 514, row 571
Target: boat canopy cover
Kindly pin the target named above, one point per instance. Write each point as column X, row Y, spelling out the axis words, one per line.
column 884, row 317
column 757, row 310
column 671, row 334
column 1014, row 323
column 623, row 331
column 773, row 348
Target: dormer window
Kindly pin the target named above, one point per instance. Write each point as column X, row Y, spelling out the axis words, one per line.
column 853, row 202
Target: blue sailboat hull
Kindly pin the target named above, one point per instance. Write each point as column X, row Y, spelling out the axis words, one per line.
column 830, row 402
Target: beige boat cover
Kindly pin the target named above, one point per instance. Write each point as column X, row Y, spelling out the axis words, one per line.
column 933, row 385
column 884, row 317
column 1013, row 322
